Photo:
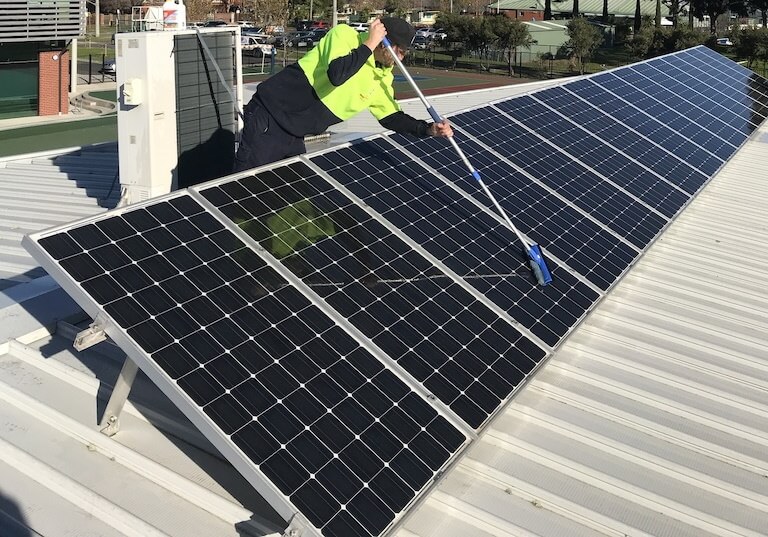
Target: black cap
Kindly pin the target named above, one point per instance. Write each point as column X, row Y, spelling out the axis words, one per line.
column 399, row 32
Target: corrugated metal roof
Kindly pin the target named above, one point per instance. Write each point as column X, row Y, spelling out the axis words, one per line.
column 41, row 190
column 652, row 418
column 619, row 8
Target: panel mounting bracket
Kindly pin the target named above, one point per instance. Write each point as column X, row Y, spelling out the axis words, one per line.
column 295, row 528
column 110, row 423
column 92, row 335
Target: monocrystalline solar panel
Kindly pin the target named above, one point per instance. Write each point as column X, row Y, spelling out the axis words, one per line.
column 276, row 384
column 339, row 324
column 608, row 205
column 674, row 113
column 547, row 219
column 746, row 88
column 730, row 106
column 602, row 154
column 462, row 235
column 728, row 71
column 623, row 108
column 459, row 349
column 590, row 117
column 667, row 85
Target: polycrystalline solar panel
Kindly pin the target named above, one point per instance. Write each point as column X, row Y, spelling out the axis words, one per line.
column 561, row 230
column 689, row 121
column 622, row 106
column 460, row 234
column 459, row 349
column 601, row 154
column 608, row 205
column 256, row 365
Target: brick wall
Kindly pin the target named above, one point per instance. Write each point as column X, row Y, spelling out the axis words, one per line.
column 54, row 83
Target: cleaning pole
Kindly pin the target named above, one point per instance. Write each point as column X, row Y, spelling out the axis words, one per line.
column 533, row 251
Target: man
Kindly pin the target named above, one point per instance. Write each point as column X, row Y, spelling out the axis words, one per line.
column 344, row 74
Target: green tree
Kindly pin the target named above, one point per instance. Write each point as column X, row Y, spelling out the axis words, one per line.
column 676, row 8
column 657, row 18
column 715, row 8
column 583, row 40
column 269, row 11
column 751, row 44
column 454, row 26
column 511, row 35
column 754, row 6
column 641, row 42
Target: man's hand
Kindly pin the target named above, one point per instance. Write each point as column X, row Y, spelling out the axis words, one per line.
column 442, row 129
column 376, row 32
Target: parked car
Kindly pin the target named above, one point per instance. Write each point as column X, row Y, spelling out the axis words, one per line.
column 212, row 24
column 420, row 42
column 317, row 34
column 359, row 26
column 300, row 39
column 109, row 67
column 725, row 41
column 256, row 45
column 318, row 24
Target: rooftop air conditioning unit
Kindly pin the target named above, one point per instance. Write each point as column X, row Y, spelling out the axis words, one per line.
column 176, row 121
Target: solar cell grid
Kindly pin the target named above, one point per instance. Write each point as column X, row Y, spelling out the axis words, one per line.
column 602, row 157
column 692, row 101
column 748, row 89
column 561, row 230
column 683, row 118
column 610, row 206
column 623, row 108
column 729, row 103
column 347, row 441
column 606, row 159
column 460, row 234
column 462, row 352
column 736, row 71
column 642, row 149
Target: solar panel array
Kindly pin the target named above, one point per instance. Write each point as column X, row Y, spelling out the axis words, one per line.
column 342, row 325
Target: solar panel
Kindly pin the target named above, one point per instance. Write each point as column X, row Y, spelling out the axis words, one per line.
column 608, row 205
column 730, row 79
column 599, row 153
column 591, row 117
column 742, row 80
column 677, row 114
column 314, row 420
column 580, row 242
column 423, row 319
column 341, row 325
column 665, row 83
column 625, row 108
column 718, row 96
column 461, row 234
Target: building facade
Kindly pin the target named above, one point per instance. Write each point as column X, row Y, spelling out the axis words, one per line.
column 34, row 55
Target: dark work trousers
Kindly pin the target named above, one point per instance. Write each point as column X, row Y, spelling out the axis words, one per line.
column 263, row 140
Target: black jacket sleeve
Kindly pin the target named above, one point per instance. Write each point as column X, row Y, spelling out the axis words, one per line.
column 404, row 124
column 341, row 69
